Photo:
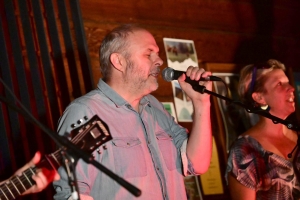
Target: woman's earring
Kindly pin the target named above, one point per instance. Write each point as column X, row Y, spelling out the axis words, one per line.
column 265, row 107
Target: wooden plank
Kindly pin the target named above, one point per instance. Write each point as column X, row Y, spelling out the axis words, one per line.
column 231, row 16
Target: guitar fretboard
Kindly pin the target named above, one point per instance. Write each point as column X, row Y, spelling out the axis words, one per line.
column 16, row 185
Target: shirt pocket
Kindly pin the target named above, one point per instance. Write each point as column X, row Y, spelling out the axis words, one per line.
column 167, row 149
column 129, row 157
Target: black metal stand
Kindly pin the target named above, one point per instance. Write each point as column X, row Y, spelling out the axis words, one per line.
column 259, row 111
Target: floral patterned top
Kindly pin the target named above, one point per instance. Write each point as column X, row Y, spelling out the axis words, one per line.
column 270, row 175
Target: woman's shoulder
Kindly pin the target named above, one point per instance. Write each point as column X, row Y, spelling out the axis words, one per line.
column 246, row 144
column 246, row 139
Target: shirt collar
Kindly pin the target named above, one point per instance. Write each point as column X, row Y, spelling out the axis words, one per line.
column 114, row 96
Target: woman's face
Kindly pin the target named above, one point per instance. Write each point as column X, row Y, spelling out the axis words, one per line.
column 279, row 94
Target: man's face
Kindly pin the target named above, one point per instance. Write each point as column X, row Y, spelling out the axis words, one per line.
column 143, row 64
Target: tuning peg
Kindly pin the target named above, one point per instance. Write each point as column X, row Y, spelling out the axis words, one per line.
column 99, row 151
column 79, row 121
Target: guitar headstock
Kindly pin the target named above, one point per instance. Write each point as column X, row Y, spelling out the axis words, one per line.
column 91, row 134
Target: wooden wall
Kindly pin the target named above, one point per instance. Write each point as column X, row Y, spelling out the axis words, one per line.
column 224, row 31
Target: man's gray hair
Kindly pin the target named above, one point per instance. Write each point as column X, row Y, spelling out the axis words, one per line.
column 115, row 41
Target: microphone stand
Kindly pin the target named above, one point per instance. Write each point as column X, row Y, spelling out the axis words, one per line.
column 259, row 111
column 71, row 150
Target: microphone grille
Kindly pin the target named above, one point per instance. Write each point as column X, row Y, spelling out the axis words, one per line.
column 168, row 74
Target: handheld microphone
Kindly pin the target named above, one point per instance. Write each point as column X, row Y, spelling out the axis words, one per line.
column 170, row 74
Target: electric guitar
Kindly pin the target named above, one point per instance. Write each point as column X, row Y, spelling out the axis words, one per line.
column 87, row 137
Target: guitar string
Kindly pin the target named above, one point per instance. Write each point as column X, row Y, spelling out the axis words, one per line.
column 14, row 185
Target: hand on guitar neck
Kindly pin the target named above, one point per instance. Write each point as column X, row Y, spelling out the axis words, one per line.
column 42, row 177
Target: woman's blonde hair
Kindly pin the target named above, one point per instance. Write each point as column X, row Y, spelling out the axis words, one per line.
column 257, row 72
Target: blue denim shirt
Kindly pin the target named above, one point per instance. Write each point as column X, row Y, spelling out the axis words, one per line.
column 147, row 149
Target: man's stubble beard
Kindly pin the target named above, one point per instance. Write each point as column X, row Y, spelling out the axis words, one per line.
column 136, row 84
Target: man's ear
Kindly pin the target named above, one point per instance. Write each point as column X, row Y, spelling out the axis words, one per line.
column 258, row 97
column 117, row 61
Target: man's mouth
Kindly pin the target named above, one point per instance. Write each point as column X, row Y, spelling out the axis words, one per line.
column 155, row 73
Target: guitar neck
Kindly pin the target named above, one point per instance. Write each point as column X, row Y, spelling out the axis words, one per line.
column 17, row 185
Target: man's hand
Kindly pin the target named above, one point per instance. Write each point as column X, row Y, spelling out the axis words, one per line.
column 195, row 73
column 42, row 178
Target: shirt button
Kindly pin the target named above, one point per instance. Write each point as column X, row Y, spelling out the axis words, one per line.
column 157, row 168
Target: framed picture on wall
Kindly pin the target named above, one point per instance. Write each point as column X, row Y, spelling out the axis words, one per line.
column 236, row 120
column 181, row 54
